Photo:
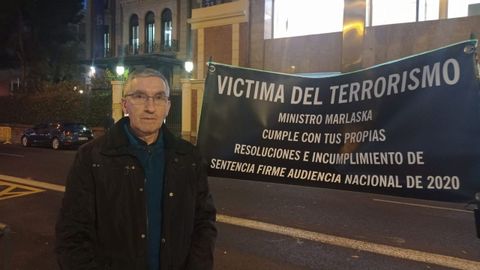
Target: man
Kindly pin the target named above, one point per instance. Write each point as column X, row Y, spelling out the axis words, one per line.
column 137, row 198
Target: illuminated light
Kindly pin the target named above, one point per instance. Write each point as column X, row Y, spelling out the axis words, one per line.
column 188, row 66
column 358, row 27
column 120, row 70
column 92, row 71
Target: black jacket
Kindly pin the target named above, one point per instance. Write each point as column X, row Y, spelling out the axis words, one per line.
column 103, row 222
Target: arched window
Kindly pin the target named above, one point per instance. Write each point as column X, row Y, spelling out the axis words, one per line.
column 167, row 29
column 134, row 41
column 149, row 32
column 106, row 41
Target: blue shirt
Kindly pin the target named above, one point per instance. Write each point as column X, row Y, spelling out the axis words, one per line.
column 152, row 159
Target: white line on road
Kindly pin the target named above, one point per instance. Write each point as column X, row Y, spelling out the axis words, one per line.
column 423, row 205
column 11, row 155
column 33, row 183
column 402, row 253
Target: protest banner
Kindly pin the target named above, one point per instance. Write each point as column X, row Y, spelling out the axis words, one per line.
column 406, row 128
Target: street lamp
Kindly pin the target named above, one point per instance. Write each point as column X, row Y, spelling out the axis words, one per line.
column 92, row 71
column 188, row 66
column 120, row 70
column 88, row 78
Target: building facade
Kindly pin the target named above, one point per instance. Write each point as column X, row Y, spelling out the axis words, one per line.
column 164, row 34
column 241, row 33
column 140, row 33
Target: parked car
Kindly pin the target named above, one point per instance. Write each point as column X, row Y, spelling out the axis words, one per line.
column 57, row 134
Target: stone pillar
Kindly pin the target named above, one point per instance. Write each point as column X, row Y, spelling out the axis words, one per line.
column 443, row 9
column 353, row 35
column 200, row 53
column 117, row 93
column 158, row 30
column 186, row 108
column 192, row 100
column 141, row 34
column 236, row 44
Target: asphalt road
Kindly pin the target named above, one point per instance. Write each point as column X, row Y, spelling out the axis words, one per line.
column 261, row 225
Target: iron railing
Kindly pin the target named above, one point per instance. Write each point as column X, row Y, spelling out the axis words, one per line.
column 151, row 48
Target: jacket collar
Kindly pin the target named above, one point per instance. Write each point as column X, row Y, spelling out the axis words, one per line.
column 117, row 143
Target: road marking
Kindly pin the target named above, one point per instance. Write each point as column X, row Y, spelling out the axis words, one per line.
column 402, row 253
column 11, row 155
column 423, row 205
column 33, row 183
column 15, row 190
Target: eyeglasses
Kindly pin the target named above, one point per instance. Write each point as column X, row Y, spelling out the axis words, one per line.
column 139, row 98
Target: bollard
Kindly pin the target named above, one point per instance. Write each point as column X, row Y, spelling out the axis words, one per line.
column 4, row 246
column 476, row 212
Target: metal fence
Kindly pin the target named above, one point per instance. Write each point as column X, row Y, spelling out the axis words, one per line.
column 150, row 48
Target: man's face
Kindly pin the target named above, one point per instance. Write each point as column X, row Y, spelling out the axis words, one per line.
column 146, row 118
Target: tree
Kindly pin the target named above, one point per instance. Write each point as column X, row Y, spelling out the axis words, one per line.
column 40, row 38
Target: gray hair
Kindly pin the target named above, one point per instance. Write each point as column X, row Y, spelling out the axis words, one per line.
column 143, row 73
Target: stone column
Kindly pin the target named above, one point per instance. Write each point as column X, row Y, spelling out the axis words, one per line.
column 117, row 93
column 158, row 32
column 443, row 9
column 192, row 100
column 186, row 108
column 200, row 53
column 236, row 44
column 141, row 34
column 353, row 35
